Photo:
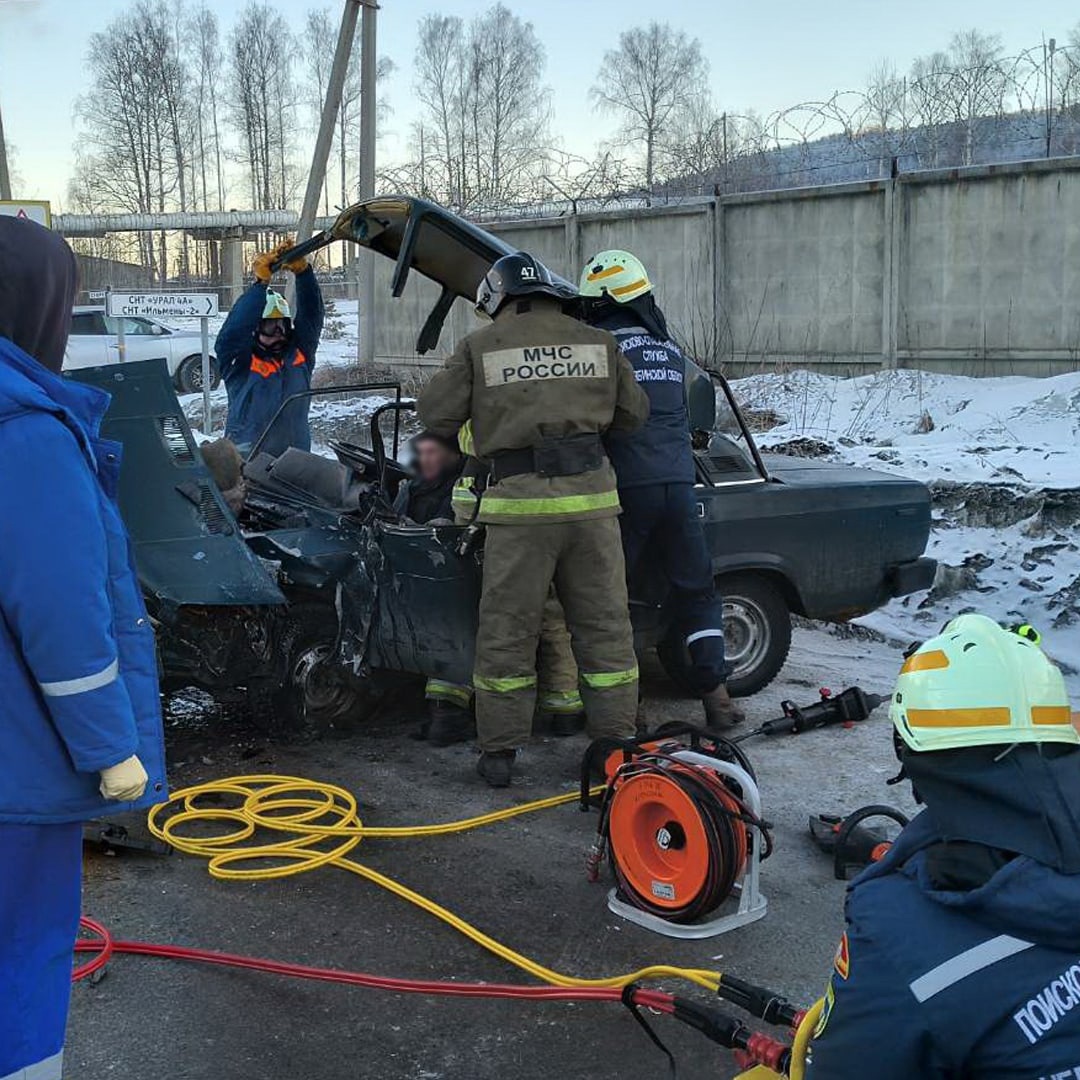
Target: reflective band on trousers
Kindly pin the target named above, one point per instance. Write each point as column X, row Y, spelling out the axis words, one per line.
column 49, row 1069
column 504, row 686
column 554, row 504
column 561, row 701
column 438, row 688
column 602, row 680
column 67, row 687
column 703, row 634
column 966, row 963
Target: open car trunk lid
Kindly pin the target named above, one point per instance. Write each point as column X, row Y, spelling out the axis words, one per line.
column 419, row 235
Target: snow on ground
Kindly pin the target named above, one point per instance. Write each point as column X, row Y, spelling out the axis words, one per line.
column 1012, row 430
column 1000, row 457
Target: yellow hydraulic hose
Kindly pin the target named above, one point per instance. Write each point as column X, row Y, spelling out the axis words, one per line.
column 322, row 826
column 797, row 1071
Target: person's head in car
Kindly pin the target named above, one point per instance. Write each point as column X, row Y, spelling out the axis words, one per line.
column 435, row 456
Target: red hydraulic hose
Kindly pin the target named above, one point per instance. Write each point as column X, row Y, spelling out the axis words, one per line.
column 103, row 946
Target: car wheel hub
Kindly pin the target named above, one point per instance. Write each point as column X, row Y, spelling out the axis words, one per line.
column 746, row 635
column 323, row 690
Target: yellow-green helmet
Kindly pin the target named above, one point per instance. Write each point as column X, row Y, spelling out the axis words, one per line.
column 617, row 274
column 977, row 684
column 276, row 306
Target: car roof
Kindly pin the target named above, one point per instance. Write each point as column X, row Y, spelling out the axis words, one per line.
column 88, row 309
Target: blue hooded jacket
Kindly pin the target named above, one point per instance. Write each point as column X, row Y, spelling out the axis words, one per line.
column 941, row 983
column 258, row 385
column 78, row 664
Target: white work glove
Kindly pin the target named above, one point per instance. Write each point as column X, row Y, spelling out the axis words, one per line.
column 125, row 781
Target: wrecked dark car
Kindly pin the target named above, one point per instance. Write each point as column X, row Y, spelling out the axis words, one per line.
column 317, row 588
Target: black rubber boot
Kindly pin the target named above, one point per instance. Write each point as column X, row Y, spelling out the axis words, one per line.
column 497, row 767
column 721, row 712
column 564, row 724
column 449, row 724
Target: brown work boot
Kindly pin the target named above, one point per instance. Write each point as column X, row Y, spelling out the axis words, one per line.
column 497, row 767
column 721, row 712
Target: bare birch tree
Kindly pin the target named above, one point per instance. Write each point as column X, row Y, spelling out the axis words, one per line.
column 260, row 101
column 484, row 134
column 656, row 74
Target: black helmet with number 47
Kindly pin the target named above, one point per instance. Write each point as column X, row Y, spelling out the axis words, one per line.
column 518, row 275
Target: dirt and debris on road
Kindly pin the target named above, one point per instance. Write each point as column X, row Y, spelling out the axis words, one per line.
column 522, row 881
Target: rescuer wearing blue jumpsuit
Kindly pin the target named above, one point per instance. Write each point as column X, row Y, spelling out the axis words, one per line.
column 80, row 720
column 962, row 952
column 655, row 470
column 266, row 356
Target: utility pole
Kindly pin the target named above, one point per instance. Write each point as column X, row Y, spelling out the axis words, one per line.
column 334, row 87
column 5, row 176
column 365, row 338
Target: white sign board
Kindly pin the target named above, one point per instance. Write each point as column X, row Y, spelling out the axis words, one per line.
column 31, row 209
column 162, row 305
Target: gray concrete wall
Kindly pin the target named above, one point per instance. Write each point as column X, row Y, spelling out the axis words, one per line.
column 804, row 279
column 990, row 271
column 973, row 271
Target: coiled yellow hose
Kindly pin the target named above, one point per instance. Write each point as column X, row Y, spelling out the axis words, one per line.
column 321, row 827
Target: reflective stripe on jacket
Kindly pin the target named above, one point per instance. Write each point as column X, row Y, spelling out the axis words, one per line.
column 946, row 984
column 537, row 374
column 78, row 664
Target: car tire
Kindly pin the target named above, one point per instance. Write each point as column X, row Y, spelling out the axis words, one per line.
column 757, row 635
column 318, row 692
column 188, row 377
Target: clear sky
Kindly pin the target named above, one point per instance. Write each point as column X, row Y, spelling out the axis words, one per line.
column 765, row 54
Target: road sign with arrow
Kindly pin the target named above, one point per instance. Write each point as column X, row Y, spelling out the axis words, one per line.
column 162, row 305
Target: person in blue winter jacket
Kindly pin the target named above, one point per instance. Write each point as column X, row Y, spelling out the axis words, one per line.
column 961, row 959
column 80, row 718
column 266, row 356
column 655, row 470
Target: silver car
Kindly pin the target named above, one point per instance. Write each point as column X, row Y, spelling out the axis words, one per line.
column 94, row 341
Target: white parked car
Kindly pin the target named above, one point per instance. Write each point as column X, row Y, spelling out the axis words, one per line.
column 94, row 341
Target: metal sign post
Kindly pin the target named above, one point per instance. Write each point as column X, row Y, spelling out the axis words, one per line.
column 201, row 306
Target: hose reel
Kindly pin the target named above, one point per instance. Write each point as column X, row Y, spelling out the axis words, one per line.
column 681, row 825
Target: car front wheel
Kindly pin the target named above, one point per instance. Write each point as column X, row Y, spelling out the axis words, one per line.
column 189, row 379
column 757, row 635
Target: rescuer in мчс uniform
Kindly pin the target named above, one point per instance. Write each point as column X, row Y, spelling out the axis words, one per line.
column 541, row 388
column 655, row 468
column 962, row 952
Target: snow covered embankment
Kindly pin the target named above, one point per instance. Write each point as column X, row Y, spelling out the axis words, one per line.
column 1002, row 459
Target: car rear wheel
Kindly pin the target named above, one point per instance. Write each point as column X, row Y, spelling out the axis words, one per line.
column 188, row 376
column 757, row 635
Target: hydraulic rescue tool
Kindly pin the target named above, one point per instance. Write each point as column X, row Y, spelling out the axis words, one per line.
column 852, row 842
column 680, row 822
column 850, row 706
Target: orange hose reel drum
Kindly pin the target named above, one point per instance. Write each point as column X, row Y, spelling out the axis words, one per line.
column 663, row 839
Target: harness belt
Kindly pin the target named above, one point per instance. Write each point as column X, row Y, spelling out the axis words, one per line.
column 567, row 456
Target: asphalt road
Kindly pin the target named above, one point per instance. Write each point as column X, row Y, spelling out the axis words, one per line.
column 521, row 881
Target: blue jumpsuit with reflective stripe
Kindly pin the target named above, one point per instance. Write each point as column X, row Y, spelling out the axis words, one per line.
column 78, row 671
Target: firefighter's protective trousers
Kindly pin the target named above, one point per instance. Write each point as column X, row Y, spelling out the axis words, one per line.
column 521, row 562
